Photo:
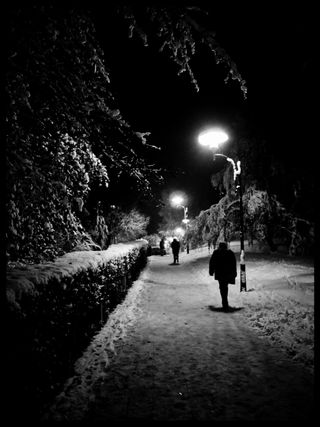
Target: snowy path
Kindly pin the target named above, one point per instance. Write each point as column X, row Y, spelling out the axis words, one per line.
column 178, row 357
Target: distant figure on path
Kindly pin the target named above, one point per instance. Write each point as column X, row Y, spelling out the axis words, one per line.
column 223, row 265
column 175, row 245
column 162, row 249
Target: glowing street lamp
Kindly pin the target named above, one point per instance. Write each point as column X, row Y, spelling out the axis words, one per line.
column 213, row 138
column 179, row 231
column 177, row 201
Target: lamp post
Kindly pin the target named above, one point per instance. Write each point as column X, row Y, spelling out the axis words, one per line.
column 177, row 201
column 186, row 221
column 213, row 138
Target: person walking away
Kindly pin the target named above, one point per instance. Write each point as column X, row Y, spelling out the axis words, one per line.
column 175, row 246
column 223, row 265
column 162, row 249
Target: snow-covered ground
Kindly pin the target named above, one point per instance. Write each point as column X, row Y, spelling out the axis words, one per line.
column 272, row 307
column 277, row 308
column 279, row 302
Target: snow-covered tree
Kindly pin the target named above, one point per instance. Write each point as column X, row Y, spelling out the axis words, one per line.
column 65, row 132
column 66, row 135
column 133, row 225
column 179, row 32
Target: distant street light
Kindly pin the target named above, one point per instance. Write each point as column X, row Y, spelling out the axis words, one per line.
column 179, row 231
column 212, row 138
column 177, row 201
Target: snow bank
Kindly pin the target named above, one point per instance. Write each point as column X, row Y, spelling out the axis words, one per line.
column 283, row 320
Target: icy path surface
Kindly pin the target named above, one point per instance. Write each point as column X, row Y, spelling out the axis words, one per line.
column 169, row 353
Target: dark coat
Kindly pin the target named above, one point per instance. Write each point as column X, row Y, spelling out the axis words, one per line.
column 223, row 265
column 175, row 245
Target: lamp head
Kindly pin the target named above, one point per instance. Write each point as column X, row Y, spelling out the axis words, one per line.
column 212, row 138
column 177, row 200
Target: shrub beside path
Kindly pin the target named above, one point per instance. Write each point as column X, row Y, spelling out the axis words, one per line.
column 176, row 356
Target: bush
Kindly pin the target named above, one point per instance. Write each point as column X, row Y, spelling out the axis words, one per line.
column 54, row 317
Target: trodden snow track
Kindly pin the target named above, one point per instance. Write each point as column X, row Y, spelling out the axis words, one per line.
column 178, row 357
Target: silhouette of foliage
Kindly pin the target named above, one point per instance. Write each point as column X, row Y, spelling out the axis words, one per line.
column 64, row 132
column 179, row 32
column 66, row 136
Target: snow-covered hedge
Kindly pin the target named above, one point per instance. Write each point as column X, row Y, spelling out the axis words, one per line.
column 31, row 280
column 56, row 308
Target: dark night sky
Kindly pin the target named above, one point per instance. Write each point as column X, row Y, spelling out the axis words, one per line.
column 273, row 49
